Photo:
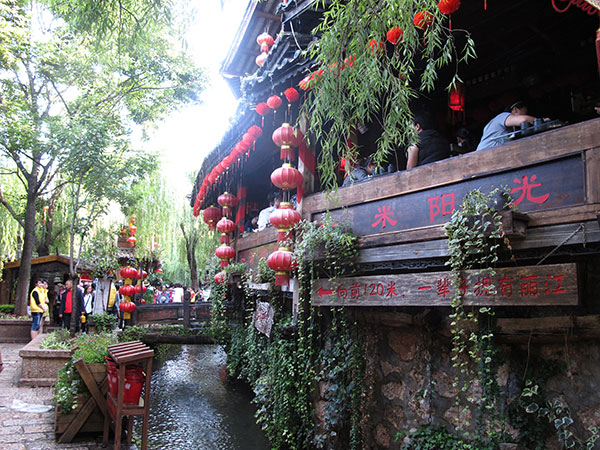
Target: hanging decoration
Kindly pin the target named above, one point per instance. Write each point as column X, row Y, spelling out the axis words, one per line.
column 284, row 219
column 210, row 216
column 281, row 262
column 286, row 137
column 220, row 277
column 263, row 109
column 286, row 177
column 448, row 7
column 260, row 59
column 132, row 230
column 456, row 97
column 423, row 20
column 265, row 40
column 225, row 253
column 292, row 95
column 375, row 46
column 394, row 35
column 274, row 102
column 128, row 290
column 225, row 226
column 227, row 202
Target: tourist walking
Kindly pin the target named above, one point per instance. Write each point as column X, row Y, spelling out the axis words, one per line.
column 38, row 306
column 66, row 304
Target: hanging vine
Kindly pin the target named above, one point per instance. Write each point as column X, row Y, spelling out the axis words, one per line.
column 361, row 77
column 285, row 368
column 475, row 238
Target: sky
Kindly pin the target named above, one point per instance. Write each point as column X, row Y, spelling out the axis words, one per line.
column 188, row 135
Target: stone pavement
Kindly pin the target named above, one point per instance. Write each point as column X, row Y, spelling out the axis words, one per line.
column 29, row 431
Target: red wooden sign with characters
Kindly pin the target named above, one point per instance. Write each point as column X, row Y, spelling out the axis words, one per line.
column 534, row 188
column 517, row 286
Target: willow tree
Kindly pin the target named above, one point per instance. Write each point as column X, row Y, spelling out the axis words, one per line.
column 51, row 84
column 362, row 77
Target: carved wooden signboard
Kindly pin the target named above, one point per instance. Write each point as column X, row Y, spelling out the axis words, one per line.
column 518, row 286
column 534, row 188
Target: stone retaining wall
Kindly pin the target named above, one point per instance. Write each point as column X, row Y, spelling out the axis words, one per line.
column 410, row 372
column 40, row 366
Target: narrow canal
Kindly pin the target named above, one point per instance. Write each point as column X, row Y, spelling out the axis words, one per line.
column 191, row 409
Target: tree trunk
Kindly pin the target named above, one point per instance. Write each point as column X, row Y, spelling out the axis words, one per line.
column 23, row 282
column 102, row 293
column 191, row 241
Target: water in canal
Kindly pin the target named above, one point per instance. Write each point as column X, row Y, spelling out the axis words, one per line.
column 191, row 409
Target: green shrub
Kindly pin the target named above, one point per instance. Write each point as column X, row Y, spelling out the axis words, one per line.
column 57, row 340
column 69, row 386
column 7, row 309
column 104, row 323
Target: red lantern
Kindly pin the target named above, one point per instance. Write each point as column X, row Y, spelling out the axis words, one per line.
column 139, row 290
column 263, row 109
column 375, row 46
column 394, row 35
column 291, row 94
column 274, row 102
column 423, row 20
column 132, row 229
column 284, row 219
column 126, row 290
column 211, row 215
column 307, row 82
column 227, row 201
column 220, row 278
column 448, row 6
column 131, row 240
column 225, row 253
column 159, row 270
column 286, row 136
column 286, row 177
column 281, row 262
column 265, row 40
column 456, row 97
column 125, row 272
column 225, row 225
column 127, row 307
column 143, row 302
column 349, row 61
column 260, row 59
column 255, row 131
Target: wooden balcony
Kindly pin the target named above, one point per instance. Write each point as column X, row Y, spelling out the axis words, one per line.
column 554, row 178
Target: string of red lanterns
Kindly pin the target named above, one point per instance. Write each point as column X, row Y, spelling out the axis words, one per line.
column 265, row 40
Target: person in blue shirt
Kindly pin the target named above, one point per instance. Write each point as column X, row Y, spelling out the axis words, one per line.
column 513, row 116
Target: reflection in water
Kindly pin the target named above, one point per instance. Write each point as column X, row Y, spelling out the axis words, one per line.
column 190, row 409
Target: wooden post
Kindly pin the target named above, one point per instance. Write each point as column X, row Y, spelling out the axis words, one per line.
column 186, row 313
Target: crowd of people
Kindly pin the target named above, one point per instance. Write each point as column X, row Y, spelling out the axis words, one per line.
column 61, row 300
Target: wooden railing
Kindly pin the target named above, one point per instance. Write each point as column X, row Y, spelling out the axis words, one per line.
column 554, row 177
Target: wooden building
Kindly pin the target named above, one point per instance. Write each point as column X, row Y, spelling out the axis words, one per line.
column 526, row 50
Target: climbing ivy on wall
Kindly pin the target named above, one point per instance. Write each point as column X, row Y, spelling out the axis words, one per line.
column 475, row 238
column 360, row 75
column 321, row 348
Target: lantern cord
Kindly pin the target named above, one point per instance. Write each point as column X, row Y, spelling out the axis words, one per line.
column 294, row 36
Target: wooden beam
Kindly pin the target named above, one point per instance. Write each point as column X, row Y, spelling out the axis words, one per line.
column 269, row 16
column 548, row 236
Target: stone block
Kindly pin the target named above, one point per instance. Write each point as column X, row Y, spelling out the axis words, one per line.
column 404, row 343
